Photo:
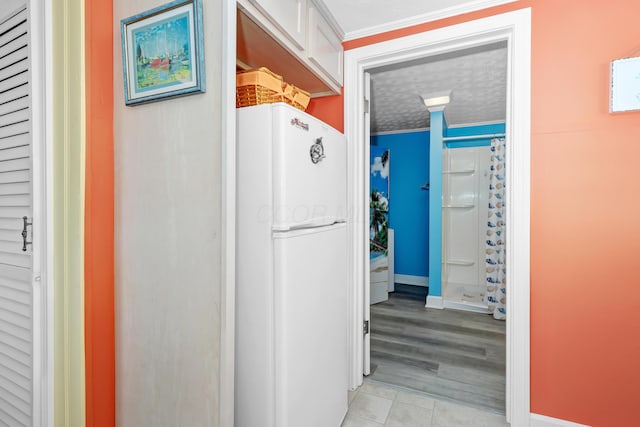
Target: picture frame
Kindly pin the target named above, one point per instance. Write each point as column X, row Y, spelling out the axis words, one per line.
column 163, row 52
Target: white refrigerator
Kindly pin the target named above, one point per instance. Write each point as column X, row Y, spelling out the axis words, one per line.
column 291, row 272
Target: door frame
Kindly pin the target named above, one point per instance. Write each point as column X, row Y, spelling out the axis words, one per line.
column 228, row 217
column 41, row 47
column 515, row 28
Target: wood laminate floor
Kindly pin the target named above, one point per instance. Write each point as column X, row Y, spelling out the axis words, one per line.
column 450, row 354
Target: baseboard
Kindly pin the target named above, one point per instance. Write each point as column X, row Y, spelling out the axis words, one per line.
column 544, row 421
column 407, row 279
column 434, row 302
column 461, row 305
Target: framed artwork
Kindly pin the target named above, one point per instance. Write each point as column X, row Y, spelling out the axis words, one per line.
column 162, row 52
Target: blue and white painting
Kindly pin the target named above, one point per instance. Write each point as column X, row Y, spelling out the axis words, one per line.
column 379, row 201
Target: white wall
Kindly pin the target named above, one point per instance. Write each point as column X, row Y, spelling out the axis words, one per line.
column 167, row 245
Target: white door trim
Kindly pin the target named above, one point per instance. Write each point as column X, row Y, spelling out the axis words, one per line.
column 228, row 220
column 41, row 30
column 515, row 27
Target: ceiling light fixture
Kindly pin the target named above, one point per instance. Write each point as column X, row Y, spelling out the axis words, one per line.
column 437, row 98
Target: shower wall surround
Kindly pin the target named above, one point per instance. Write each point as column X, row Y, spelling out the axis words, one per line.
column 409, row 213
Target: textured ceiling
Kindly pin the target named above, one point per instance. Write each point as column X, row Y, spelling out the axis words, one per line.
column 477, row 77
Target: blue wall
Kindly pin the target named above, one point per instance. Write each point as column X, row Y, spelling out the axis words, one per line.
column 408, row 205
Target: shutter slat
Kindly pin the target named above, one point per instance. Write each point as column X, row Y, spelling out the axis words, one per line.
column 13, row 306
column 11, row 21
column 16, row 273
column 15, row 165
column 10, row 417
column 18, row 152
column 15, row 365
column 19, row 258
column 15, row 129
column 18, row 356
column 12, row 317
column 14, row 105
column 19, row 399
column 19, row 55
column 18, row 339
column 10, row 224
column 15, row 188
column 15, row 141
column 13, row 416
column 14, row 33
column 15, row 117
column 14, row 69
column 14, row 153
column 15, row 200
column 14, row 81
column 17, row 45
column 10, row 236
column 13, row 375
column 13, row 293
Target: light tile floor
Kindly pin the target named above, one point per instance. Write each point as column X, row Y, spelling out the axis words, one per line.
column 378, row 405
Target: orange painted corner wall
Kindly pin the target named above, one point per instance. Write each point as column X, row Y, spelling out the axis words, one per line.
column 329, row 109
column 585, row 232
column 99, row 225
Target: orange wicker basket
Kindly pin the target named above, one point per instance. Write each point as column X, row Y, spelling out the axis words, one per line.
column 262, row 86
column 296, row 96
column 258, row 86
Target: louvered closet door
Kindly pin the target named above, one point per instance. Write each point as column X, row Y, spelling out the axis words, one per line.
column 16, row 299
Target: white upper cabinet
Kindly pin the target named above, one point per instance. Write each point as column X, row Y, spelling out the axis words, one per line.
column 289, row 15
column 324, row 48
column 294, row 38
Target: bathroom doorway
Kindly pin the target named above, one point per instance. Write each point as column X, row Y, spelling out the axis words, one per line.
column 514, row 28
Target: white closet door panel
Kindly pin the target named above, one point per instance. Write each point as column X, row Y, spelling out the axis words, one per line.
column 16, row 265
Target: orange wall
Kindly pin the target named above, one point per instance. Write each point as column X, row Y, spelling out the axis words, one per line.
column 585, row 227
column 99, row 274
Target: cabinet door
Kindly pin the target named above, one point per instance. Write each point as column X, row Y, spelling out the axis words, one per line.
column 325, row 49
column 289, row 15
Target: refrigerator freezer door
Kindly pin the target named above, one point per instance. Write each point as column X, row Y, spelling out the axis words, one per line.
column 309, row 171
column 311, row 351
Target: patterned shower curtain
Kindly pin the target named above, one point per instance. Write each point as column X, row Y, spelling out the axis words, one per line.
column 496, row 296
